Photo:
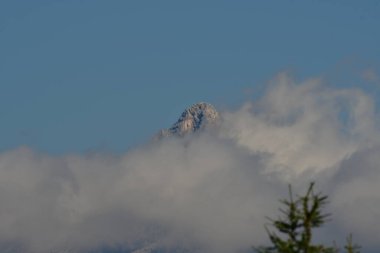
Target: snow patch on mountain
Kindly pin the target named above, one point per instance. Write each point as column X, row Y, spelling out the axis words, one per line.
column 199, row 116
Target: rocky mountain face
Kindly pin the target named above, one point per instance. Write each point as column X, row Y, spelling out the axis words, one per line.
column 197, row 117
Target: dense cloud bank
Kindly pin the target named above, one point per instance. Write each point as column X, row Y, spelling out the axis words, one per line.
column 209, row 192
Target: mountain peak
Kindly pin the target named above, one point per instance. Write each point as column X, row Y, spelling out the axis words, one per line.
column 196, row 117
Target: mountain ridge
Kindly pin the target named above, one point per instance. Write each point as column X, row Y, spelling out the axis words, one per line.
column 197, row 117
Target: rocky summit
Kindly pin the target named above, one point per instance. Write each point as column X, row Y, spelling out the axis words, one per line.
column 197, row 117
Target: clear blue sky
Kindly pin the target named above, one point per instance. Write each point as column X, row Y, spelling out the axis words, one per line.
column 81, row 75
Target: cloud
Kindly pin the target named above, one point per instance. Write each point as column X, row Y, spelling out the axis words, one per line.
column 170, row 192
column 370, row 75
column 357, row 190
column 209, row 192
column 304, row 126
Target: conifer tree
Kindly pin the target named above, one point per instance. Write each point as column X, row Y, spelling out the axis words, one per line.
column 294, row 229
column 350, row 246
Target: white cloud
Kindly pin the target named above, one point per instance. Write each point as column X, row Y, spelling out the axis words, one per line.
column 304, row 126
column 210, row 192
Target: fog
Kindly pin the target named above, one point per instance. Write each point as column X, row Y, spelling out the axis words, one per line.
column 206, row 192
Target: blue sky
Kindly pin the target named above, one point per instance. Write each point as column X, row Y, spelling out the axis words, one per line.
column 83, row 75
